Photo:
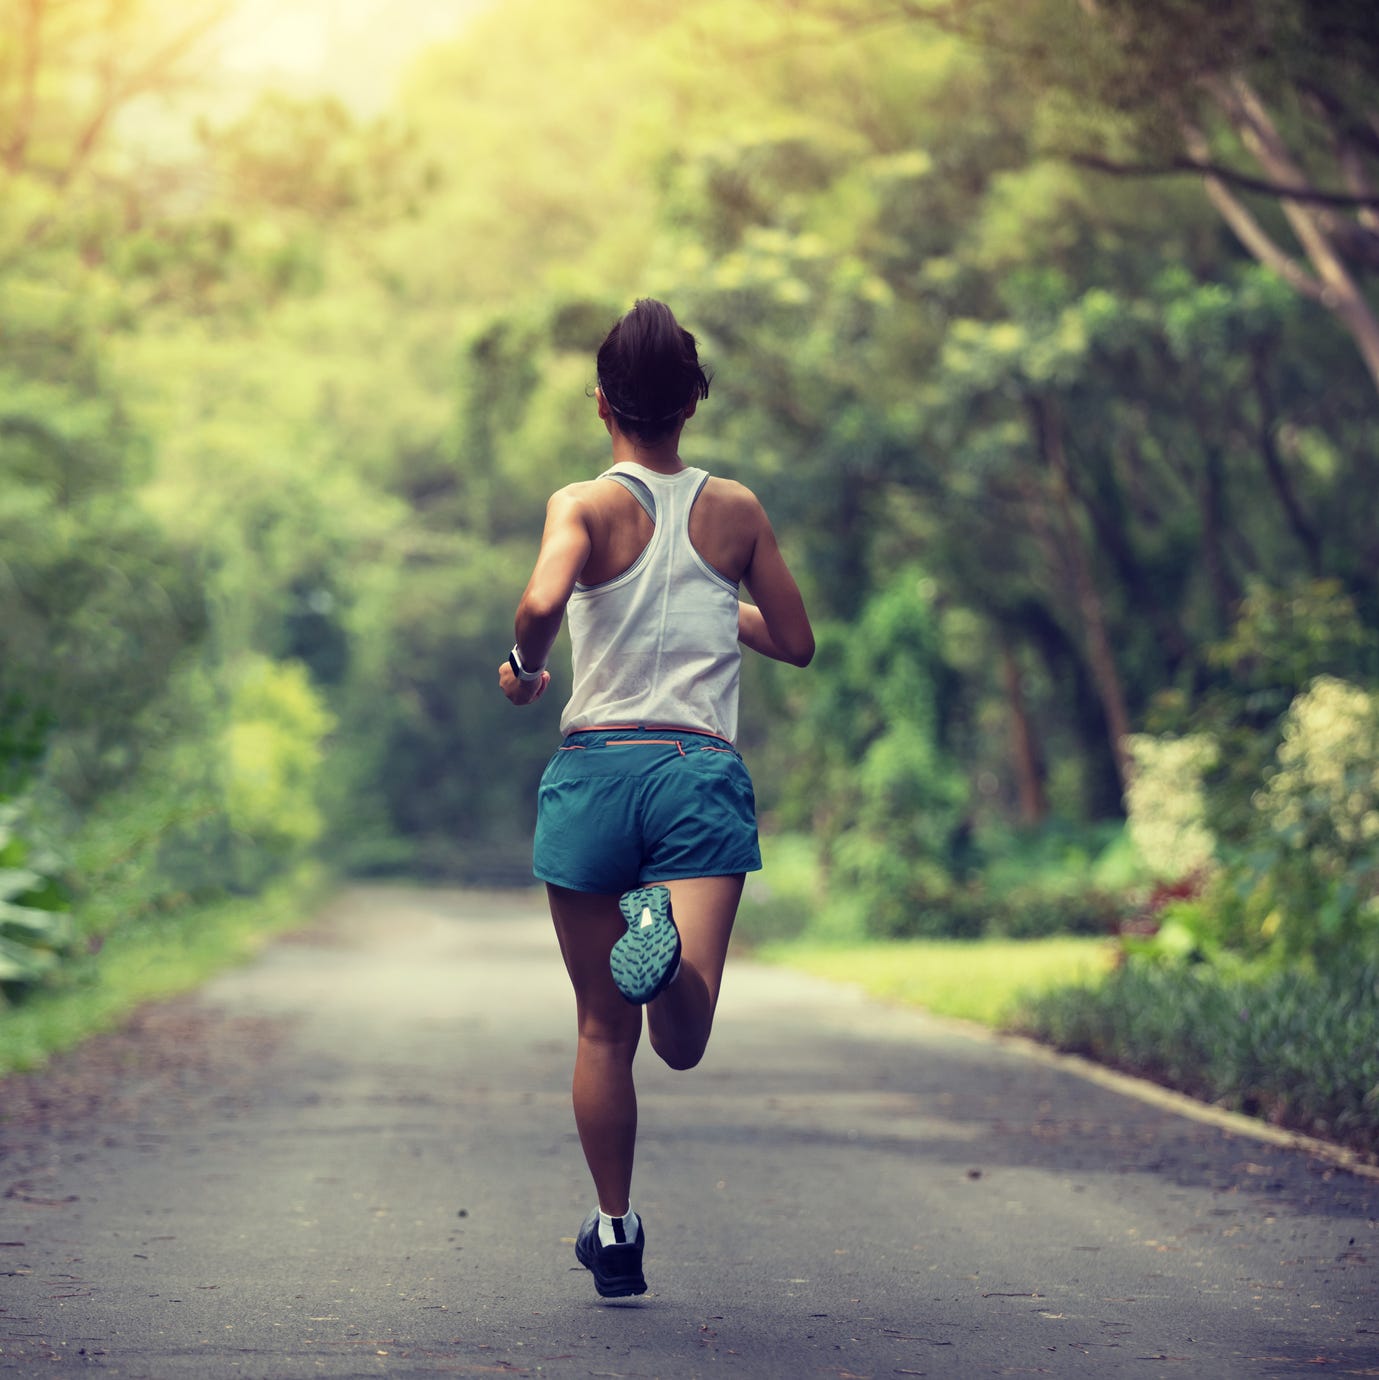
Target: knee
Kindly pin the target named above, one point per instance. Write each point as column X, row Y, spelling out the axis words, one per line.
column 614, row 1039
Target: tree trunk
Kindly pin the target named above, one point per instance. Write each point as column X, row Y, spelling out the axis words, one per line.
column 1100, row 658
column 1112, row 533
column 1274, row 467
column 1029, row 779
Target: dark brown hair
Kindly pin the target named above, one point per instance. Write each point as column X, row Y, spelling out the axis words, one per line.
column 649, row 371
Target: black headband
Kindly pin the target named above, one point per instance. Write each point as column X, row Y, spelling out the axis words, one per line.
column 632, row 416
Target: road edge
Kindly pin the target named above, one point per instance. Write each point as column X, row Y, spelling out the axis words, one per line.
column 1156, row 1095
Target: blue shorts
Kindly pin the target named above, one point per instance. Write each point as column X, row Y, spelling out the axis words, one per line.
column 618, row 808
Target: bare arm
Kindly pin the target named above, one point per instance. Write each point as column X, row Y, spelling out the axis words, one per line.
column 778, row 625
column 565, row 546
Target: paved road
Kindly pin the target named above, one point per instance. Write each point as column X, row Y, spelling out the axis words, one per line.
column 355, row 1158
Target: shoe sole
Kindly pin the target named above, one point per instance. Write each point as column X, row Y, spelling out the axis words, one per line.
column 643, row 960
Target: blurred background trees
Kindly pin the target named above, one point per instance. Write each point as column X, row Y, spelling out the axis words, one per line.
column 1045, row 331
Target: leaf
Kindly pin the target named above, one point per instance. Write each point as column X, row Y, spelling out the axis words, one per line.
column 15, row 881
column 24, row 924
column 20, row 963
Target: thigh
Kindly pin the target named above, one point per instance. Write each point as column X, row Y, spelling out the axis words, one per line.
column 587, row 926
column 705, row 909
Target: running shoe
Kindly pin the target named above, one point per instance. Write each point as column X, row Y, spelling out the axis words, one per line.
column 645, row 960
column 617, row 1269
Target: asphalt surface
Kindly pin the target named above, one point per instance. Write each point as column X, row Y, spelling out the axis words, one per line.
column 355, row 1157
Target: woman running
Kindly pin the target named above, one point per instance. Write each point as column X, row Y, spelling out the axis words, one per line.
column 646, row 821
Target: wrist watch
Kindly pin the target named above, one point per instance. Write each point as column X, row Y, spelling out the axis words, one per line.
column 520, row 671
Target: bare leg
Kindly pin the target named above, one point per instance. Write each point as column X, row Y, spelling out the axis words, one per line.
column 680, row 1019
column 605, row 1098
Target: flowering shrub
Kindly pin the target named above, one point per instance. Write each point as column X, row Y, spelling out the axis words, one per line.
column 1325, row 794
column 1167, row 803
column 1320, row 817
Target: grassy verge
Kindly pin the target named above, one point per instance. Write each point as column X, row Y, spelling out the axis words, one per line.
column 978, row 980
column 152, row 960
column 1299, row 1049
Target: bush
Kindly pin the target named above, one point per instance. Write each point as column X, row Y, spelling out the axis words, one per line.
column 199, row 818
column 870, row 748
column 1318, row 862
column 36, row 931
column 782, row 900
column 1299, row 1049
column 1282, row 639
column 1167, row 802
column 1058, row 880
column 1033, row 886
column 272, row 750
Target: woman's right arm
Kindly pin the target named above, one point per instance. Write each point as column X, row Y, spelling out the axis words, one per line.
column 777, row 625
column 565, row 546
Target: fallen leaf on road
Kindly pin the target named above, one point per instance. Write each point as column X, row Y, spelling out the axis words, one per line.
column 18, row 1191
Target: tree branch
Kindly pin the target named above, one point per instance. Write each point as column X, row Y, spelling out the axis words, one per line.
column 1315, row 229
column 1247, row 229
column 1325, row 237
column 1205, row 167
column 1350, row 142
column 116, row 93
column 32, row 41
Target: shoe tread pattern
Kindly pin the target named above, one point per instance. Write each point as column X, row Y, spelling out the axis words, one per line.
column 644, row 958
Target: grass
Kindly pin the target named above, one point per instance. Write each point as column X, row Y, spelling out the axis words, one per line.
column 1297, row 1047
column 150, row 961
column 977, row 980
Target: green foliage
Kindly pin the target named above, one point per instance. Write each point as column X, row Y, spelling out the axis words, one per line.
column 36, row 931
column 1301, row 1050
column 982, row 981
column 310, row 158
column 1026, row 887
column 284, row 393
column 1316, row 868
column 1284, row 636
column 782, row 901
column 151, row 960
column 1273, row 781
column 873, row 756
column 272, row 746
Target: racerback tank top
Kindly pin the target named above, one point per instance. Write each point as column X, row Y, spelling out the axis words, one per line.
column 658, row 643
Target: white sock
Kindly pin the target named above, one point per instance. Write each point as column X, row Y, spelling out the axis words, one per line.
column 614, row 1231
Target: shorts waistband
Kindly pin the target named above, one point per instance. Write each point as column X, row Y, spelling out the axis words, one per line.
column 645, row 735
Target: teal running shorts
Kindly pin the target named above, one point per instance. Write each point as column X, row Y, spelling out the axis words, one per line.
column 618, row 808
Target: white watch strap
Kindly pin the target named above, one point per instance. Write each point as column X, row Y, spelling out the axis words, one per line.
column 519, row 670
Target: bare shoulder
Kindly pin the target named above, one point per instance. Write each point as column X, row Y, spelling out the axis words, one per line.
column 734, row 500
column 572, row 495
column 726, row 526
column 577, row 502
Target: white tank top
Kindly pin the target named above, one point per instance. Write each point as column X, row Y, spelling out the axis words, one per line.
column 658, row 643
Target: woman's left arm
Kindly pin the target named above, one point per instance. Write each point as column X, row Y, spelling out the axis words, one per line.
column 565, row 546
